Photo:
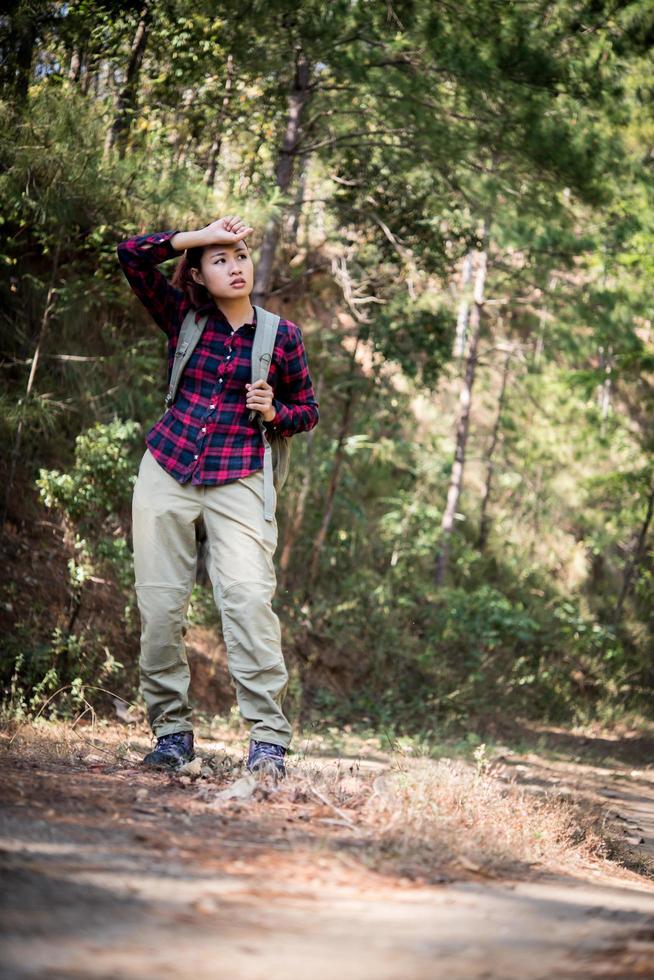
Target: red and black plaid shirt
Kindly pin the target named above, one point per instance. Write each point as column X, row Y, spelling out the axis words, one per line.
column 206, row 436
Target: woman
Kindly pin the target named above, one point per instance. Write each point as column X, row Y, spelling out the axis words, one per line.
column 203, row 461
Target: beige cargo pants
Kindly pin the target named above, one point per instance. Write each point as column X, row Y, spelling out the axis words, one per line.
column 241, row 548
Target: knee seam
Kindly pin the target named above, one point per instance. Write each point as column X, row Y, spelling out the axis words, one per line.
column 245, row 581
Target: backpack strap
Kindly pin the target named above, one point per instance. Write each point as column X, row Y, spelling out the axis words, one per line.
column 262, row 348
column 189, row 334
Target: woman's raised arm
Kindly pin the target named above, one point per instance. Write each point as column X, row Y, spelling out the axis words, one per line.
column 140, row 256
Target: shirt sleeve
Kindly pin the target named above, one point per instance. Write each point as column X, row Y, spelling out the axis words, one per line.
column 295, row 400
column 139, row 258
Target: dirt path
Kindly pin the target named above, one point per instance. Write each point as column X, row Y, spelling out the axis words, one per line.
column 115, row 873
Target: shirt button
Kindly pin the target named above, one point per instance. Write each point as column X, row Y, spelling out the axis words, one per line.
column 212, row 407
column 196, row 456
column 220, row 381
column 203, row 430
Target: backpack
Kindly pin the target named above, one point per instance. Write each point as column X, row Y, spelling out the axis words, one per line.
column 277, row 450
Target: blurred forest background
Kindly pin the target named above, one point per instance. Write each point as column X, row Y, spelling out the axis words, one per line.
column 455, row 203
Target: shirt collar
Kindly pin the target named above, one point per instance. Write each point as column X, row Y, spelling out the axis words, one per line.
column 210, row 308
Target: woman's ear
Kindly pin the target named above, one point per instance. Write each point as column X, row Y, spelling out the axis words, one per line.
column 197, row 277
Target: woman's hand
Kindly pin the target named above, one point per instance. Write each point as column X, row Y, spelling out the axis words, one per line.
column 259, row 397
column 224, row 231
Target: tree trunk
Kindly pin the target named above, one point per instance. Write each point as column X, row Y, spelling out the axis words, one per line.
column 45, row 320
column 337, row 465
column 75, row 66
column 86, row 78
column 127, row 99
column 633, row 563
column 484, row 520
column 294, row 230
column 214, row 152
column 294, row 525
column 465, row 402
column 21, row 26
column 243, row 180
column 297, row 102
column 464, row 308
column 604, row 392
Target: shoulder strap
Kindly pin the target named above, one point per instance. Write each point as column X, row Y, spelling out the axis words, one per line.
column 262, row 347
column 189, row 334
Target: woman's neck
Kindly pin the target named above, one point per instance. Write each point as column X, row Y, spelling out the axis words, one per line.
column 237, row 311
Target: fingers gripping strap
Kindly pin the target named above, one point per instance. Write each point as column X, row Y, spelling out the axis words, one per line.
column 262, row 347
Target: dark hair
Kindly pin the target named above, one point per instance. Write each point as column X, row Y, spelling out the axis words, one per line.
column 196, row 293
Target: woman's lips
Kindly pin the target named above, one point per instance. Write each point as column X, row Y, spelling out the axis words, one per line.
column 239, row 282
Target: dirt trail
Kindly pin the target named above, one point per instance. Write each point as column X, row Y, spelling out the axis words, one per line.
column 110, row 872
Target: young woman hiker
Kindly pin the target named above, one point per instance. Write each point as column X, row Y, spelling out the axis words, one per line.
column 204, row 461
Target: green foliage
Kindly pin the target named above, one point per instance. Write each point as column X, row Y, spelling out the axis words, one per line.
column 101, row 480
column 91, row 498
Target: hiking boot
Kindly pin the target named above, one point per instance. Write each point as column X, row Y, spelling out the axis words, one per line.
column 171, row 751
column 266, row 757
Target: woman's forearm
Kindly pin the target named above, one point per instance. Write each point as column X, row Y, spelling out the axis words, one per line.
column 188, row 239
column 223, row 231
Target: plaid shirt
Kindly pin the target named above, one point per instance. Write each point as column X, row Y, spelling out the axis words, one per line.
column 206, row 436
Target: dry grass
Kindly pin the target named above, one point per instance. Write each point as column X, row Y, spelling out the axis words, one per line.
column 425, row 819
column 429, row 818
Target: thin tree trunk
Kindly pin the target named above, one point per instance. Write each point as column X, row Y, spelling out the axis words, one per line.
column 45, row 320
column 484, row 521
column 297, row 102
column 334, row 479
column 127, row 99
column 604, row 393
column 295, row 523
column 540, row 340
column 337, row 465
column 464, row 308
column 214, row 152
column 85, row 78
column 465, row 402
column 21, row 26
column 75, row 66
column 246, row 176
column 633, row 563
column 539, row 349
column 294, row 230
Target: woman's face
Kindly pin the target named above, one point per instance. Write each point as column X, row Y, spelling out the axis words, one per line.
column 226, row 270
